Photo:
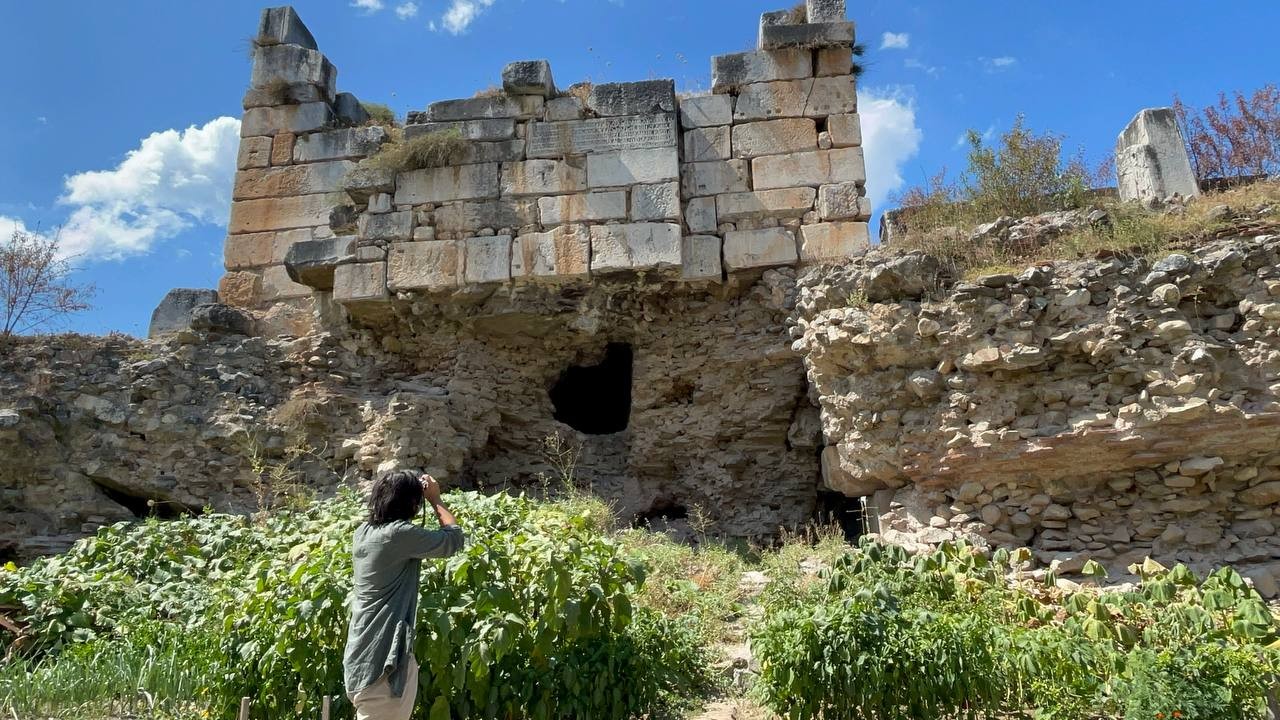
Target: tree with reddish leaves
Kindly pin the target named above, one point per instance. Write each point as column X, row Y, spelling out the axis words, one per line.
column 35, row 284
column 1237, row 137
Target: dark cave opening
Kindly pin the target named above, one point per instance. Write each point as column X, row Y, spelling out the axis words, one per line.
column 662, row 509
column 843, row 511
column 144, row 507
column 596, row 399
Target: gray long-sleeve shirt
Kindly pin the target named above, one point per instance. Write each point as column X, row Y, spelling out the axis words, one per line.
column 384, row 598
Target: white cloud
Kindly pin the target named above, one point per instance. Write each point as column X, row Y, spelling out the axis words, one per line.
column 462, row 13
column 914, row 64
column 369, row 6
column 1003, row 62
column 895, row 41
column 407, row 10
column 172, row 181
column 890, row 137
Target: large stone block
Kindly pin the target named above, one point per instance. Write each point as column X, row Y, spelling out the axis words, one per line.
column 488, row 259
column 731, row 72
column 241, row 252
column 781, row 203
column 645, row 97
column 473, row 130
column 820, row 167
column 287, row 65
column 241, row 288
column 348, row 144
column 543, row 177
column 568, row 107
column 361, row 284
column 584, row 207
column 561, row 254
column 349, row 109
column 809, row 36
column 700, row 215
column 714, row 178
column 774, row 137
column 221, row 319
column 277, row 285
column 706, row 144
column 638, row 246
column 834, row 61
column 312, row 262
column 1151, row 158
column 437, row 185
column 278, row 94
column 832, row 96
column 431, row 266
column 311, row 179
column 528, row 77
column 597, row 135
column 470, row 217
column 255, row 152
column 628, row 167
column 833, row 241
column 843, row 201
column 844, row 130
column 283, row 213
column 304, row 118
column 489, row 152
column 173, row 314
column 365, row 181
column 282, row 25
column 817, row 97
column 821, row 11
column 706, row 111
column 766, row 247
column 503, row 106
column 655, row 202
column 701, row 258
column 387, row 227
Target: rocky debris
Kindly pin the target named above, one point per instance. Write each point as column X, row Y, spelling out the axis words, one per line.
column 173, row 314
column 1111, row 408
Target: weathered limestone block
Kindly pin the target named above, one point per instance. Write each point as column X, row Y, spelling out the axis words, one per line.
column 558, row 255
column 473, row 130
column 820, row 11
column 271, row 95
column 774, row 137
column 701, row 258
column 282, row 148
column 173, row 314
column 584, row 207
column 820, row 167
column 781, row 203
column 489, row 152
column 488, row 259
column 303, row 118
column 700, row 215
column 438, row 185
column 387, row 227
column 833, row 241
column 628, row 167
column 568, row 107
column 706, row 144
column 834, row 61
column 528, row 77
column 844, row 130
column 431, row 266
column 818, row 97
column 312, row 262
column 543, row 177
column 714, row 178
column 731, row 72
column 241, row 252
column 810, row 36
column 364, row 181
column 360, row 284
column 645, row 97
column 241, row 288
column 655, row 202
column 469, row 217
column 289, row 65
column 706, row 111
column 310, row 179
column 348, row 144
column 1151, row 158
column 277, row 285
column 221, row 319
column 523, row 107
column 638, row 246
column 282, row 25
column 843, row 201
column 766, row 247
column 349, row 109
column 283, row 213
column 832, row 96
column 597, row 135
column 255, row 152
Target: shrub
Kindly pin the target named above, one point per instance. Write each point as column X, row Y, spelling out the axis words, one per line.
column 1237, row 137
column 431, row 150
column 379, row 114
column 36, row 287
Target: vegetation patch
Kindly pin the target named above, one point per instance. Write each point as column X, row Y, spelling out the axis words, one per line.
column 379, row 114
column 431, row 150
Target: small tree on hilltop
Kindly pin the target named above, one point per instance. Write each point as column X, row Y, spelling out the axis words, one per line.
column 1237, row 137
column 35, row 284
column 1024, row 174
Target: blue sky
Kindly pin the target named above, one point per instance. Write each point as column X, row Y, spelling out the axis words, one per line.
column 112, row 131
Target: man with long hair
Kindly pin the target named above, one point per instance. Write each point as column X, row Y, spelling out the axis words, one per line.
column 381, row 672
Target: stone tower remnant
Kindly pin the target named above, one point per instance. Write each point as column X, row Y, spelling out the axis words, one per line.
column 1151, row 158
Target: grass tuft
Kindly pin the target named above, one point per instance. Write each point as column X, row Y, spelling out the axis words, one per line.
column 379, row 114
column 433, row 150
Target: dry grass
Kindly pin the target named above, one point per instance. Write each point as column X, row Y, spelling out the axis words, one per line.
column 580, row 90
column 798, row 15
column 379, row 114
column 493, row 91
column 437, row 149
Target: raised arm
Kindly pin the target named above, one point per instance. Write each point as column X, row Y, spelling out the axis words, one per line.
column 431, row 495
column 422, row 543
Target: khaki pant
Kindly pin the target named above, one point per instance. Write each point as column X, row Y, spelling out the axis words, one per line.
column 377, row 703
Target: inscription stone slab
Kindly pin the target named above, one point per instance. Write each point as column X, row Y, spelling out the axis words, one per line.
column 578, row 137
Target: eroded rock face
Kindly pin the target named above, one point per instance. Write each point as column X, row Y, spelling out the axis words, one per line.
column 1111, row 408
